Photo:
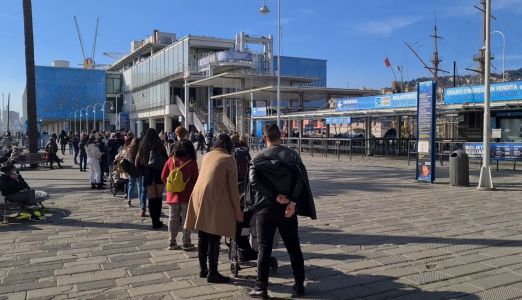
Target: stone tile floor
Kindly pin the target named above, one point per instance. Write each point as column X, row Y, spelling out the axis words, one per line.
column 379, row 235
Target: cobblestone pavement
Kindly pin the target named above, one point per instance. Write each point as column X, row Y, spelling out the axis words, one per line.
column 379, row 235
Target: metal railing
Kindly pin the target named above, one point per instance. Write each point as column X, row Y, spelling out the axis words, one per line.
column 227, row 122
column 197, row 122
column 181, row 104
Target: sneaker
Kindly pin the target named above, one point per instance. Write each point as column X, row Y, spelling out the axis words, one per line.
column 34, row 218
column 188, row 247
column 129, row 204
column 174, row 247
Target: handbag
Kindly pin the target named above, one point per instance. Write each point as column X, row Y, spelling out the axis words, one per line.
column 157, row 160
column 130, row 168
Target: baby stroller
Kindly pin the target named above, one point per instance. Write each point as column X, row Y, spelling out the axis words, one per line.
column 243, row 249
column 118, row 185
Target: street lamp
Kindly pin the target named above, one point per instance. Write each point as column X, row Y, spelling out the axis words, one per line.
column 503, row 54
column 117, row 113
column 70, row 125
column 102, row 110
column 82, row 109
column 76, row 131
column 87, row 117
column 264, row 10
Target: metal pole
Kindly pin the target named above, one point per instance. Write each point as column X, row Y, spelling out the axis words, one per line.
column 94, row 117
column 8, row 108
column 485, row 181
column 278, row 62
column 80, row 120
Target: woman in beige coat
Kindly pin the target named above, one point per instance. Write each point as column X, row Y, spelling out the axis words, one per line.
column 214, row 206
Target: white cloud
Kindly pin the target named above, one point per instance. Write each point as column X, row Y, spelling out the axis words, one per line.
column 386, row 26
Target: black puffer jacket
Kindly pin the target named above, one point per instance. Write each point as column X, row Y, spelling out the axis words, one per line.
column 279, row 170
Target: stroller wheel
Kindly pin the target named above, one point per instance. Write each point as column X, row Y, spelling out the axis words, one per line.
column 273, row 264
column 234, row 269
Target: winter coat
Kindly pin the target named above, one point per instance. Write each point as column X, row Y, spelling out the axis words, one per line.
column 9, row 185
column 214, row 202
column 93, row 151
column 190, row 176
column 279, row 170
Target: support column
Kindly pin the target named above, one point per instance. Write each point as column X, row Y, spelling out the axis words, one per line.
column 139, row 125
column 368, row 134
column 152, row 123
column 168, row 124
column 210, row 125
column 251, row 110
column 187, row 100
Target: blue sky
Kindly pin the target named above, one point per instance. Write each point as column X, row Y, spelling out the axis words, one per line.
column 354, row 36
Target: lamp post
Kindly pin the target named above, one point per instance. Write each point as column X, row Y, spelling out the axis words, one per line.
column 117, row 113
column 264, row 10
column 81, row 109
column 503, row 54
column 75, row 129
column 485, row 181
column 70, row 124
column 87, row 116
column 102, row 110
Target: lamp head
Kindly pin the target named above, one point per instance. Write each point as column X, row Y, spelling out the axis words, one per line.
column 264, row 10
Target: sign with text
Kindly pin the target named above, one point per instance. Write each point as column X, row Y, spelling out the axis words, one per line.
column 426, row 120
column 499, row 151
column 377, row 102
column 338, row 120
column 475, row 93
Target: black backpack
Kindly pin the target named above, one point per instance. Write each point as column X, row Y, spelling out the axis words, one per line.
column 242, row 159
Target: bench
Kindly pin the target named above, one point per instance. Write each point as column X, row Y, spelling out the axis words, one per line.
column 29, row 159
column 6, row 206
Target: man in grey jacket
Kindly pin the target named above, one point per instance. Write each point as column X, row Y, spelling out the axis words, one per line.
column 277, row 191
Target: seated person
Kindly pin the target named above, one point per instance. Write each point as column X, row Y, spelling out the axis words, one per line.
column 15, row 155
column 5, row 157
column 15, row 189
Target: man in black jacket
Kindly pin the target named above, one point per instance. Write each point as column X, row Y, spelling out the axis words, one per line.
column 278, row 190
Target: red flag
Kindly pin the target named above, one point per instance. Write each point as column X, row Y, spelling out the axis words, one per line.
column 387, row 62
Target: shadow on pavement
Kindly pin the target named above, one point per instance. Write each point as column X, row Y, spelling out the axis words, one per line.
column 339, row 237
column 329, row 283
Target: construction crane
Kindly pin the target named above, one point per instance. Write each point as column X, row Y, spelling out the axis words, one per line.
column 88, row 62
column 114, row 55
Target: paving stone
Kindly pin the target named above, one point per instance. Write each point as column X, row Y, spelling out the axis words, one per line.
column 90, row 276
column 48, row 292
column 94, row 285
column 77, row 269
column 157, row 288
column 139, row 278
column 153, row 269
column 496, row 280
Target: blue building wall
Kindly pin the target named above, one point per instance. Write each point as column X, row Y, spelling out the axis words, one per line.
column 59, row 91
column 303, row 67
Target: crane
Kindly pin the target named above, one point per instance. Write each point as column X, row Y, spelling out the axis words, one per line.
column 88, row 62
column 114, row 55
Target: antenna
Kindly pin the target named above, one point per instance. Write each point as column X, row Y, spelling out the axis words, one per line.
column 79, row 37
column 95, row 38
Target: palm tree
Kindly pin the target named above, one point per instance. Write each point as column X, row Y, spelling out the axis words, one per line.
column 32, row 131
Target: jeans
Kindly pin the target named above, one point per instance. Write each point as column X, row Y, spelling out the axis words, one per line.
column 175, row 212
column 135, row 182
column 83, row 161
column 267, row 220
column 63, row 148
column 76, row 152
column 70, row 148
column 94, row 169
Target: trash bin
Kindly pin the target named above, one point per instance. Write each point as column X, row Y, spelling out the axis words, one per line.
column 459, row 168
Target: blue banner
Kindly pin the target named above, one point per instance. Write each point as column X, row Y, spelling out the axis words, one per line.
column 475, row 93
column 499, row 151
column 426, row 120
column 377, row 102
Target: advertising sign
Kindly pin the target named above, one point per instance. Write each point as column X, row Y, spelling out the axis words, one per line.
column 499, row 151
column 426, row 120
column 475, row 93
column 259, row 111
column 377, row 102
column 338, row 121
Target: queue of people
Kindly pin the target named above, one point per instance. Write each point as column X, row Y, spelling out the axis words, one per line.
column 227, row 189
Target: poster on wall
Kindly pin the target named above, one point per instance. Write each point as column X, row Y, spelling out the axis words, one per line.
column 426, row 120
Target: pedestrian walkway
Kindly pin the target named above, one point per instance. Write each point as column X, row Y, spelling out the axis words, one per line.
column 379, row 235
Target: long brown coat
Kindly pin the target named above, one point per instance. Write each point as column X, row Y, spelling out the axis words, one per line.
column 215, row 199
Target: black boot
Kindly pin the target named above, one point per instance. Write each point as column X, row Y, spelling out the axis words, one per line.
column 93, row 186
column 99, row 186
column 213, row 256
column 299, row 288
column 203, row 269
column 155, row 212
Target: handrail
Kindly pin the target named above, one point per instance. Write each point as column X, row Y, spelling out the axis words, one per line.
column 228, row 123
column 181, row 105
column 197, row 122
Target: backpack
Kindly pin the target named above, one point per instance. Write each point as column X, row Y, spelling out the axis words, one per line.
column 175, row 182
column 242, row 159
